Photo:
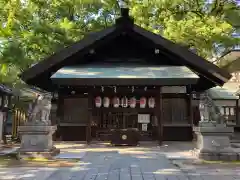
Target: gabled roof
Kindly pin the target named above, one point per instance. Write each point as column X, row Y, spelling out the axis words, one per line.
column 190, row 58
column 5, row 89
column 230, row 60
column 238, row 92
column 125, row 24
column 219, row 93
column 126, row 75
column 65, row 53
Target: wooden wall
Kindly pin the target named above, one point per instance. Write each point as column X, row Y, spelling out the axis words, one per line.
column 75, row 111
column 177, row 119
column 179, row 113
column 74, row 119
column 176, row 122
column 175, row 111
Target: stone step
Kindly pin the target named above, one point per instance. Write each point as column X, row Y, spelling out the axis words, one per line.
column 235, row 136
column 7, row 151
column 235, row 140
column 70, row 155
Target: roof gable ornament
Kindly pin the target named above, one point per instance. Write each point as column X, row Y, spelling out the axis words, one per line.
column 125, row 19
column 193, row 50
column 122, row 4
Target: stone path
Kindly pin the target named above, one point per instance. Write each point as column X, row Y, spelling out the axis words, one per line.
column 210, row 171
column 25, row 173
column 111, row 165
column 116, row 166
column 5, row 151
column 137, row 163
column 70, row 155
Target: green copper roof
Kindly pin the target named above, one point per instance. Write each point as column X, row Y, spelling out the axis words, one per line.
column 125, row 72
column 221, row 93
column 238, row 92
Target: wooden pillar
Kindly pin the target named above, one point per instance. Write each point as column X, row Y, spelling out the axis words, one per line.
column 190, row 109
column 88, row 130
column 159, row 115
column 14, row 123
column 2, row 101
column 237, row 113
column 60, row 108
column 60, row 116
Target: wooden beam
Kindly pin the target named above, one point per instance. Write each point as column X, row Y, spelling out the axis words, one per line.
column 190, row 109
column 122, row 109
column 125, row 90
column 88, row 130
column 109, row 90
column 124, row 81
column 60, row 108
column 237, row 112
column 159, row 115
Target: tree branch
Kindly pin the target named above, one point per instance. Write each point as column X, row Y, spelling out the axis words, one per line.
column 198, row 5
column 199, row 13
column 105, row 19
column 215, row 6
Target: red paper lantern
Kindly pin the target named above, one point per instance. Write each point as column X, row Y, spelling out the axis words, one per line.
column 124, row 102
column 116, row 102
column 98, row 101
column 151, row 102
column 133, row 102
column 106, row 102
column 143, row 102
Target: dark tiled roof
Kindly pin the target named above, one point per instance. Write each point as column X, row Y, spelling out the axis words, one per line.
column 5, row 89
column 238, row 92
column 125, row 24
column 222, row 93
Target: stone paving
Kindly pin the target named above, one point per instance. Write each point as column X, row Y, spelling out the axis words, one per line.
column 123, row 166
column 136, row 163
column 26, row 173
column 212, row 172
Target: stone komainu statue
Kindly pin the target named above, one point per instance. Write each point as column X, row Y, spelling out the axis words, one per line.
column 39, row 109
column 208, row 110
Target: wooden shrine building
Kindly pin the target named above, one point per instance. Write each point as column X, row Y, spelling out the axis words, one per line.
column 125, row 78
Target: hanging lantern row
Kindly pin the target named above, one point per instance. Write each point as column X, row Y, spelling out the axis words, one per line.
column 124, row 102
column 132, row 88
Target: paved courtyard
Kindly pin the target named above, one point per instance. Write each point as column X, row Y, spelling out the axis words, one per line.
column 131, row 163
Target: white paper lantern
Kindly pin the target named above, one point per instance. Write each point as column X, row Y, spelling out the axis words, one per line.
column 143, row 102
column 106, row 102
column 5, row 101
column 151, row 102
column 98, row 101
column 124, row 102
column 133, row 102
column 116, row 102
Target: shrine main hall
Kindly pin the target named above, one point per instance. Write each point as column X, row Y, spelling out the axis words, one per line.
column 125, row 84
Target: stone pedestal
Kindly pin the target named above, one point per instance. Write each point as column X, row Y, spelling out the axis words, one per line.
column 213, row 143
column 36, row 140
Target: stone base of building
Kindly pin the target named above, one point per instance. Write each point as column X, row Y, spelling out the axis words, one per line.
column 36, row 141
